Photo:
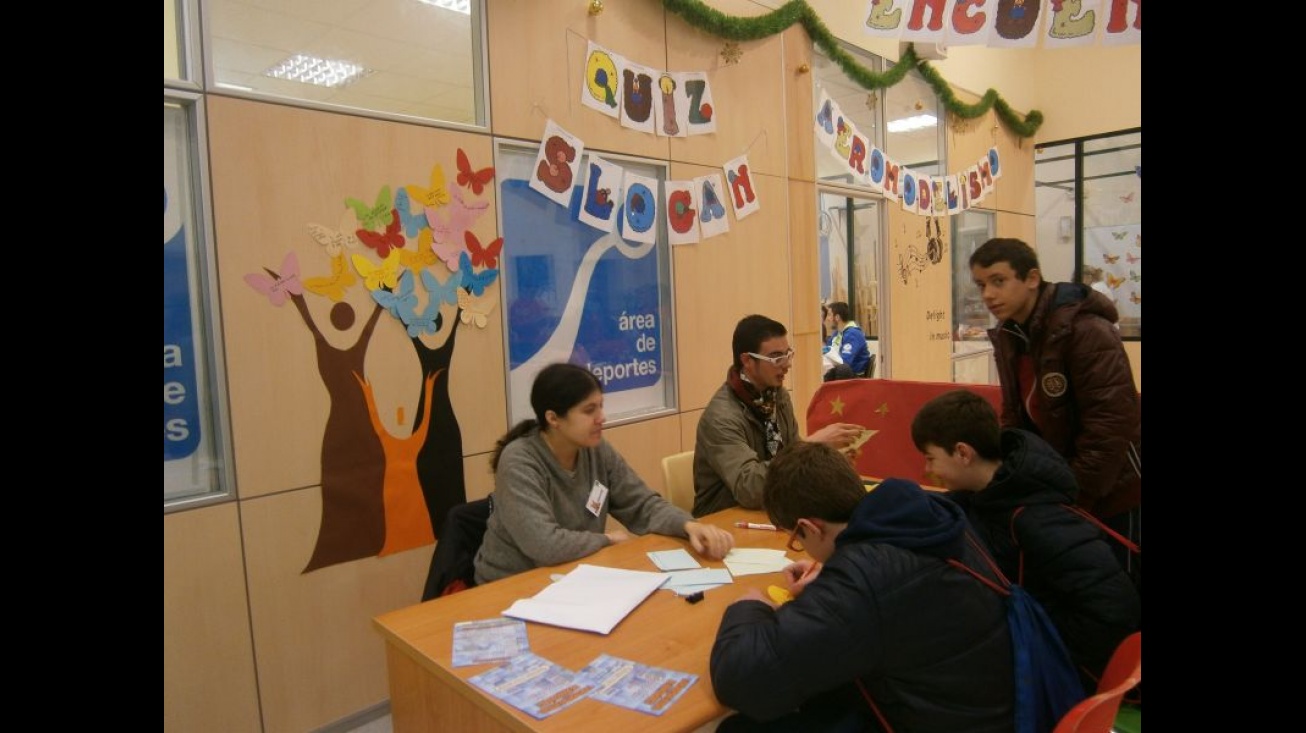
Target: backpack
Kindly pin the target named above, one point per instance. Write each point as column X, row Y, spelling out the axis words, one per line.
column 1047, row 682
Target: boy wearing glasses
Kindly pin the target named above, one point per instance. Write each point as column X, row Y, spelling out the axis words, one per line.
column 886, row 620
column 749, row 419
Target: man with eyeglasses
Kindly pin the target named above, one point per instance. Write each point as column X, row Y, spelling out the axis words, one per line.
column 750, row 419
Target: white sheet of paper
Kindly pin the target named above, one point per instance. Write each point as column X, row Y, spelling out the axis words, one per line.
column 679, row 559
column 755, row 561
column 589, row 598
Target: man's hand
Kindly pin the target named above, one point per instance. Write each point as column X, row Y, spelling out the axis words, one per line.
column 838, row 435
column 709, row 541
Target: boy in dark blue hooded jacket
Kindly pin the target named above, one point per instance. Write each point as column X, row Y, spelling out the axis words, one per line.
column 880, row 616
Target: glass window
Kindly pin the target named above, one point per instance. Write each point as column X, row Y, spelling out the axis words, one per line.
column 411, row 57
column 577, row 294
column 1089, row 200
column 860, row 105
column 972, row 354
column 195, row 443
column 914, row 125
column 848, row 235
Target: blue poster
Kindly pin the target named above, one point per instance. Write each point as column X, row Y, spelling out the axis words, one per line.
column 578, row 294
column 181, row 418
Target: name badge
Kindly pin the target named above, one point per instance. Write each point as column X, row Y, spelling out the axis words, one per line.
column 598, row 495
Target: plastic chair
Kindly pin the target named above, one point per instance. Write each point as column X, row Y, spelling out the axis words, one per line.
column 678, row 473
column 1097, row 714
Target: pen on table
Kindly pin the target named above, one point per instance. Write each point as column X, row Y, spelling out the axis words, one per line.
column 755, row 525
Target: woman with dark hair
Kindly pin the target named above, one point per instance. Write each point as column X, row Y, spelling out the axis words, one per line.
column 556, row 479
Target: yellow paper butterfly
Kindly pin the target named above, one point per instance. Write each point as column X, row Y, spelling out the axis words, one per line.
column 334, row 285
column 435, row 196
column 423, row 258
column 478, row 315
column 1114, row 281
column 374, row 276
column 334, row 240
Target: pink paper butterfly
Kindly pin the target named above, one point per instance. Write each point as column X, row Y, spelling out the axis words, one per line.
column 447, row 233
column 280, row 287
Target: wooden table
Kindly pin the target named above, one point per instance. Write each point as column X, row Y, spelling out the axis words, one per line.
column 428, row 694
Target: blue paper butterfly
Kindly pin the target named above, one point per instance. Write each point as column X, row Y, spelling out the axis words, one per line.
column 475, row 282
column 401, row 300
column 447, row 291
column 413, row 223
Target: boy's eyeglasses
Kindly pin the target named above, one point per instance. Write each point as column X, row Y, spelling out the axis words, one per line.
column 795, row 543
column 783, row 360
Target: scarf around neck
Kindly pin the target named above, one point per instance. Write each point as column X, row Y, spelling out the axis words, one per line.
column 762, row 404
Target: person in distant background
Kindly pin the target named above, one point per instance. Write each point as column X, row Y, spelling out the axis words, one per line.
column 556, row 478
column 1065, row 376
column 847, row 339
column 1094, row 278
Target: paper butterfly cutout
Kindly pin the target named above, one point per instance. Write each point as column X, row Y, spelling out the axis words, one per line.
column 1135, row 298
column 474, row 311
column 400, row 300
column 412, row 223
column 435, row 196
column 484, row 256
column 1119, row 235
column 1127, row 197
column 1133, row 259
column 446, row 292
column 447, row 232
column 334, row 241
column 279, row 288
column 423, row 258
column 374, row 276
column 1110, row 259
column 475, row 180
column 376, row 216
column 382, row 242
column 333, row 286
column 476, row 282
column 1113, row 281
column 428, row 321
column 1135, row 277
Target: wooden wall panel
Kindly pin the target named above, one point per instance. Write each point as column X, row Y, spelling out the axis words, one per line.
column 208, row 656
column 319, row 660
column 798, row 103
column 722, row 279
column 749, row 95
column 644, row 445
column 537, row 51
column 689, row 428
column 920, row 297
column 970, row 140
column 1134, row 349
column 1017, row 225
column 276, row 170
column 804, row 276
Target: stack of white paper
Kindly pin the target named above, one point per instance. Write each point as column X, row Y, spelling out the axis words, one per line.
column 589, row 598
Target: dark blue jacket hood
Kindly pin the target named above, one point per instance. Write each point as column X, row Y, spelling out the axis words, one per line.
column 899, row 512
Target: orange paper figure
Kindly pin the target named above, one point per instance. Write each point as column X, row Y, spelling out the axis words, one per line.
column 407, row 522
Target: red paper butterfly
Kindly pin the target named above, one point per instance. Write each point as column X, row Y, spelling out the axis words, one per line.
column 475, row 180
column 382, row 242
column 483, row 256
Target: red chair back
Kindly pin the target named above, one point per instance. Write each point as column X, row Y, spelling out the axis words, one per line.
column 885, row 408
column 1098, row 713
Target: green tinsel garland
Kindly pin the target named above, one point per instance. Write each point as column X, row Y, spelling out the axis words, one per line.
column 734, row 28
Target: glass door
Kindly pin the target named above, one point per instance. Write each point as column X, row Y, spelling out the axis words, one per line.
column 850, row 264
